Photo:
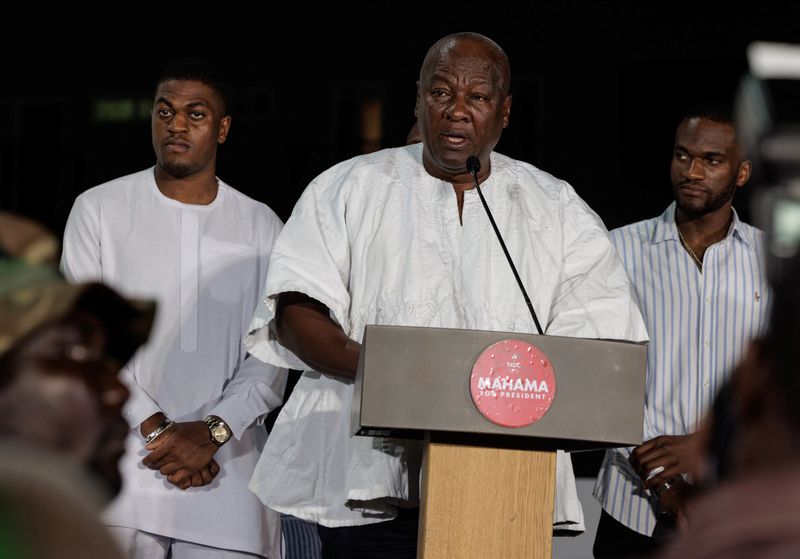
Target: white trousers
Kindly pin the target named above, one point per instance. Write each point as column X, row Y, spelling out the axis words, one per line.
column 136, row 544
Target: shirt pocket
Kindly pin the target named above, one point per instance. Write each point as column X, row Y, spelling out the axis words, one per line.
column 229, row 270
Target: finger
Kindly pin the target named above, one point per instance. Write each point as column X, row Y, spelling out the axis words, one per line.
column 149, row 460
column 196, row 479
column 179, row 477
column 154, row 463
column 156, row 457
column 206, row 474
column 178, row 485
column 653, row 467
column 666, row 475
column 655, row 481
column 657, row 457
column 645, row 467
column 213, row 467
column 644, row 447
column 189, row 456
column 169, row 468
column 163, row 438
column 659, row 442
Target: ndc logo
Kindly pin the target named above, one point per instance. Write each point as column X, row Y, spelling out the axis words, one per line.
column 513, row 383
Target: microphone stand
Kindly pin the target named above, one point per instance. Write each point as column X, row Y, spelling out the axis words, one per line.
column 473, row 166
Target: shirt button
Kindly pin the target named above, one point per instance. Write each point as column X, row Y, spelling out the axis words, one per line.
column 706, row 384
column 707, row 343
column 708, row 299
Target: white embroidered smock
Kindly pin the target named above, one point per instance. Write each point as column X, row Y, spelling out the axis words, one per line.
column 378, row 241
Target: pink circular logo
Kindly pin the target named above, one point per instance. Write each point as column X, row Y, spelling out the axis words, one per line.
column 513, row 383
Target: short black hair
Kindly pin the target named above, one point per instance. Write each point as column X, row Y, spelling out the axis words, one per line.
column 711, row 110
column 196, row 69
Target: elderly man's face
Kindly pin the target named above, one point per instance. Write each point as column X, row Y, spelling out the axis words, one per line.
column 461, row 109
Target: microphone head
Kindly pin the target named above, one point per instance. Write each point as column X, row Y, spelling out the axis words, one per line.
column 473, row 164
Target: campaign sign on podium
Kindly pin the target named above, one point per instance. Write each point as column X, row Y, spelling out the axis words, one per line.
column 513, row 383
column 492, row 407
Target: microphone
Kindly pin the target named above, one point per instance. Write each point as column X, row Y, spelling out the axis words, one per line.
column 473, row 166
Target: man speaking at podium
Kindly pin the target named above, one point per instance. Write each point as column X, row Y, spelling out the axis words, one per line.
column 399, row 237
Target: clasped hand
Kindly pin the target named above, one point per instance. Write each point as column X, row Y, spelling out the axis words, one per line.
column 184, row 455
column 673, row 453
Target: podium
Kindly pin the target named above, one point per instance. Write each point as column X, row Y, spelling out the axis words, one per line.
column 487, row 489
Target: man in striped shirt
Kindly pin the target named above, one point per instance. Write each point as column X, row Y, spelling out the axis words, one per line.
column 698, row 273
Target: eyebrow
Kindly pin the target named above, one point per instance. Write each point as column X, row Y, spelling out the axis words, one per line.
column 191, row 105
column 705, row 153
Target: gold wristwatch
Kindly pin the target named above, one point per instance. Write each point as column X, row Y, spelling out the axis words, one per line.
column 219, row 430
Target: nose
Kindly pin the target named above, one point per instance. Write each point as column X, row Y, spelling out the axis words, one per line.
column 178, row 123
column 457, row 108
column 694, row 170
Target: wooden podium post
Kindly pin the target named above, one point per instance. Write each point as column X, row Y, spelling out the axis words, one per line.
column 480, row 502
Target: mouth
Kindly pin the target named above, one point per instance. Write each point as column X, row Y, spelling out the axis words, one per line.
column 176, row 146
column 454, row 140
column 692, row 189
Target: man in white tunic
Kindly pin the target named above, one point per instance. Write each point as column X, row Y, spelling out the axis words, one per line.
column 400, row 237
column 177, row 234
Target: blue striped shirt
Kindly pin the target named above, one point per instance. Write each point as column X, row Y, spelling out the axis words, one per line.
column 699, row 325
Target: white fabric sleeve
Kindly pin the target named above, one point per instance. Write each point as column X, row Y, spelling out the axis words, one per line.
column 567, row 510
column 81, row 262
column 255, row 389
column 311, row 256
column 595, row 299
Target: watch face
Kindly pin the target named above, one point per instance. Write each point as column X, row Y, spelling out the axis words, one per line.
column 220, row 433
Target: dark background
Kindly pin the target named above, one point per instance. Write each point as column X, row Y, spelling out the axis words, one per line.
column 598, row 89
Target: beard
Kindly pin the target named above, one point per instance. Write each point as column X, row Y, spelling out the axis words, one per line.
column 176, row 170
column 697, row 207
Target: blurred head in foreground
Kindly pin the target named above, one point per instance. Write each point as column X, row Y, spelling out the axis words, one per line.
column 61, row 349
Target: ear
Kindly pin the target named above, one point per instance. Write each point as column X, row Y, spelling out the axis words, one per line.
column 224, row 128
column 506, row 110
column 743, row 173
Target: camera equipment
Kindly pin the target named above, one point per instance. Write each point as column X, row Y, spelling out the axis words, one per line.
column 767, row 114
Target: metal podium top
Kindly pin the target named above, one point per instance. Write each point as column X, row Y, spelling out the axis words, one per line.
column 411, row 380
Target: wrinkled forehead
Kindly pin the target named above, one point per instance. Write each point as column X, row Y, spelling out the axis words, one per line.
column 461, row 55
column 188, row 91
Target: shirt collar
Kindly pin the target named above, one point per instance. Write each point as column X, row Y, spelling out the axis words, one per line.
column 666, row 230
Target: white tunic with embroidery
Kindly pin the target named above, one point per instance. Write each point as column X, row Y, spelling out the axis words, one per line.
column 204, row 265
column 378, row 241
